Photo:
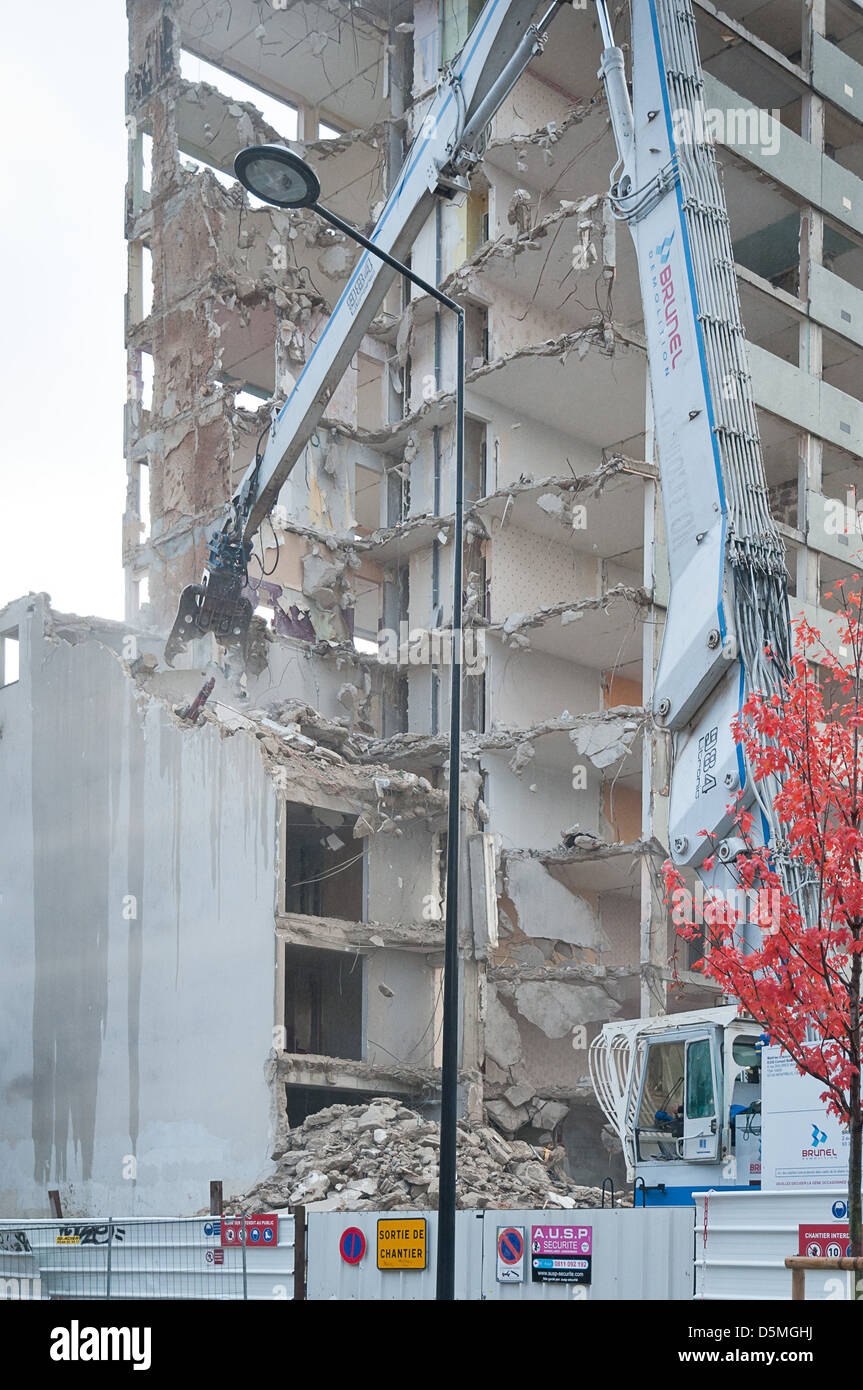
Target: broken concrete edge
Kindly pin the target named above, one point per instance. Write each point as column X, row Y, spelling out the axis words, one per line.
column 547, row 135
column 601, row 849
column 321, row 150
column 606, row 339
column 364, row 936
column 348, row 1072
column 592, row 483
column 510, row 245
column 375, row 785
column 639, row 598
column 569, row 972
column 433, row 749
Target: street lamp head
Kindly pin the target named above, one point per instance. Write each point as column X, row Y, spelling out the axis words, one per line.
column 277, row 176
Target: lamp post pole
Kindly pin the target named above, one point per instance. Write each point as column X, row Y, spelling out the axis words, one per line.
column 290, row 182
column 445, row 1262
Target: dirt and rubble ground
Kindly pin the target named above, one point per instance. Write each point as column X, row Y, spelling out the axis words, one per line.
column 384, row 1156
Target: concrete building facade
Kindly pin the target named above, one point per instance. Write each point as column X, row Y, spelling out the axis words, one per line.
column 238, row 920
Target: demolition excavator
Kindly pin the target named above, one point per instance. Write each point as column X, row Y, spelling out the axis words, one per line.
column 671, row 1087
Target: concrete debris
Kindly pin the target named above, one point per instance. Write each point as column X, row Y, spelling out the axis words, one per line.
column 551, row 503
column 546, row 136
column 550, row 1114
column 604, row 743
column 541, row 900
column 384, row 1157
column 502, row 1038
column 522, row 758
column 526, row 954
column 322, row 578
column 510, row 1118
column 576, row 838
column 518, row 212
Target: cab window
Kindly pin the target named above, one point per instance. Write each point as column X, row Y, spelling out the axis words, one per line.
column 700, row 1101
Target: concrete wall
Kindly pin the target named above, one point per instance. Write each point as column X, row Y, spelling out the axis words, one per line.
column 400, row 1020
column 137, row 926
column 541, row 687
column 553, row 807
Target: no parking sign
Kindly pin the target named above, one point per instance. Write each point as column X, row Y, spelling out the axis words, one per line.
column 510, row 1254
column 352, row 1245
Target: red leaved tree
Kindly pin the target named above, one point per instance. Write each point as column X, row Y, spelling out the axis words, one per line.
column 802, row 983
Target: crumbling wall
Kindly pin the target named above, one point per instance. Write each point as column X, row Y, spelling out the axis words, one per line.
column 147, row 844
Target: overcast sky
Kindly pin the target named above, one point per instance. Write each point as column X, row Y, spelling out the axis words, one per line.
column 62, row 260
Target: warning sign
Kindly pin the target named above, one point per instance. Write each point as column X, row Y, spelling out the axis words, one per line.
column 352, row 1245
column 510, row 1254
column 561, row 1254
column 260, row 1230
column 823, row 1242
column 402, row 1244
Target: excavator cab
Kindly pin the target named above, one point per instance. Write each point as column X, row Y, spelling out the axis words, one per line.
column 680, row 1103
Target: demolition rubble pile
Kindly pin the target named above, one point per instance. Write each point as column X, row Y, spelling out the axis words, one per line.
column 383, row 1157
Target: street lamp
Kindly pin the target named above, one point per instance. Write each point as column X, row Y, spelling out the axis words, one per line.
column 277, row 176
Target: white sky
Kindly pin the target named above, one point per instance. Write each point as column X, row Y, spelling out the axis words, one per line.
column 62, row 262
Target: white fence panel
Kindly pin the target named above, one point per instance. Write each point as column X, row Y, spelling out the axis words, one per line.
column 331, row 1277
column 637, row 1253
column 141, row 1258
column 741, row 1245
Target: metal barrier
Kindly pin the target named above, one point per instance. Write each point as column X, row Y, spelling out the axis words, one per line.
column 194, row 1257
column 632, row 1254
column 551, row 1255
column 743, row 1240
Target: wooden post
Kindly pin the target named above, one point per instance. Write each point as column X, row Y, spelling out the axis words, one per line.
column 54, row 1203
column 216, row 1198
column 798, row 1264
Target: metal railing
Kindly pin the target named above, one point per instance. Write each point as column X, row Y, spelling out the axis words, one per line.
column 195, row 1257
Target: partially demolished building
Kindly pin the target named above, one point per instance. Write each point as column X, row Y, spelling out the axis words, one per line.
column 237, row 904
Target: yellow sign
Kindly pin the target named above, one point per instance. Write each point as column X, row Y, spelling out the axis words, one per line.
column 402, row 1244
column 68, row 1240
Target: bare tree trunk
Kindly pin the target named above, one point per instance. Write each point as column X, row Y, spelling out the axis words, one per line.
column 855, row 1174
column 855, row 1125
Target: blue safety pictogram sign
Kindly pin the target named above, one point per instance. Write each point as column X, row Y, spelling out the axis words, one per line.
column 352, row 1245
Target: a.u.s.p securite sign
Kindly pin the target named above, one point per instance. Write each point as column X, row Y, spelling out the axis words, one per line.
column 561, row 1254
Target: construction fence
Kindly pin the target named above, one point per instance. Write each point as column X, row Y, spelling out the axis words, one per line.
column 192, row 1257
column 612, row 1253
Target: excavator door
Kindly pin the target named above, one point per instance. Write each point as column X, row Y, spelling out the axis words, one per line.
column 702, row 1119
